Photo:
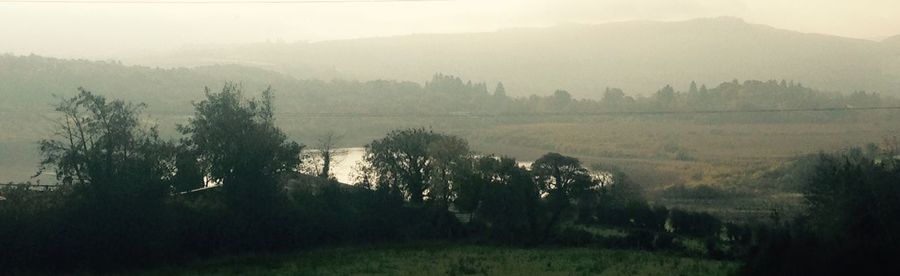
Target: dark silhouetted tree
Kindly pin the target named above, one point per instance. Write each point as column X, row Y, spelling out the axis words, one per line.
column 412, row 162
column 105, row 150
column 854, row 199
column 116, row 174
column 502, row 196
column 562, row 179
column 239, row 146
column 188, row 174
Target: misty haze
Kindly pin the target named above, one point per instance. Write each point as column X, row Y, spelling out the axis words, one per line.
column 450, row 137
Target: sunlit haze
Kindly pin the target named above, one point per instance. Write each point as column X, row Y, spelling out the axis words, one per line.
column 449, row 137
column 111, row 30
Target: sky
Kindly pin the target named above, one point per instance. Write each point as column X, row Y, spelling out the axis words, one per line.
column 111, row 30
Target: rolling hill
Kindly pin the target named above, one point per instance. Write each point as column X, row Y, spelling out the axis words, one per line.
column 638, row 56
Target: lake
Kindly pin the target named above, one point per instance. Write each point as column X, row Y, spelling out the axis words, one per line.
column 345, row 167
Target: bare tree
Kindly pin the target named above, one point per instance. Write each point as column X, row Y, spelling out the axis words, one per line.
column 325, row 155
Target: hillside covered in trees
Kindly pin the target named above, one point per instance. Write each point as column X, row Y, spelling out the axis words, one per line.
column 637, row 56
column 28, row 82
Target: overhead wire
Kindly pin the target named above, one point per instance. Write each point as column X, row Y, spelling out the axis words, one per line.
column 575, row 114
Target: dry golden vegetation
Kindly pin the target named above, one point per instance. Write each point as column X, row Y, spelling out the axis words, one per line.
column 745, row 159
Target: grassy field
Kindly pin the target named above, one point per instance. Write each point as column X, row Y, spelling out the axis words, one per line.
column 456, row 260
column 658, row 153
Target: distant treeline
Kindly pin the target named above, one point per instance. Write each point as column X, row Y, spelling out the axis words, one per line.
column 27, row 82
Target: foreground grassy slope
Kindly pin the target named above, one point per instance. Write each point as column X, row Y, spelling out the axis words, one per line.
column 456, row 260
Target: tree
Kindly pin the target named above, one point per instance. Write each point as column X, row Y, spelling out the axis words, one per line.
column 500, row 91
column 188, row 174
column 239, row 146
column 854, row 199
column 695, row 224
column 613, row 96
column 623, row 191
column 116, row 174
column 666, row 96
column 105, row 150
column 324, row 155
column 555, row 172
column 451, row 160
column 328, row 152
column 560, row 99
column 693, row 89
column 412, row 162
column 850, row 225
column 562, row 179
column 502, row 196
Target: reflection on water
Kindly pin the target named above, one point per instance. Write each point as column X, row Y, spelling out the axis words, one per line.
column 345, row 167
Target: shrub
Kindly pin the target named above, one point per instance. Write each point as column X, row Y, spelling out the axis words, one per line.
column 694, row 224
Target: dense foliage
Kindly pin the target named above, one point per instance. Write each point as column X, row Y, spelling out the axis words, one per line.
column 416, row 163
column 237, row 144
column 850, row 226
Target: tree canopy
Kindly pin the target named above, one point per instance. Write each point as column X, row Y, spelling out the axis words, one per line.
column 104, row 148
column 238, row 145
column 418, row 162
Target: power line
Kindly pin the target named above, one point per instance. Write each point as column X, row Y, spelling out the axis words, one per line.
column 536, row 114
column 203, row 2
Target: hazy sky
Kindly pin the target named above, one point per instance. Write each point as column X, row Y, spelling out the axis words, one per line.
column 110, row 30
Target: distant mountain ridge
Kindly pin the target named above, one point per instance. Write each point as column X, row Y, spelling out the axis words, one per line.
column 638, row 56
column 893, row 43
